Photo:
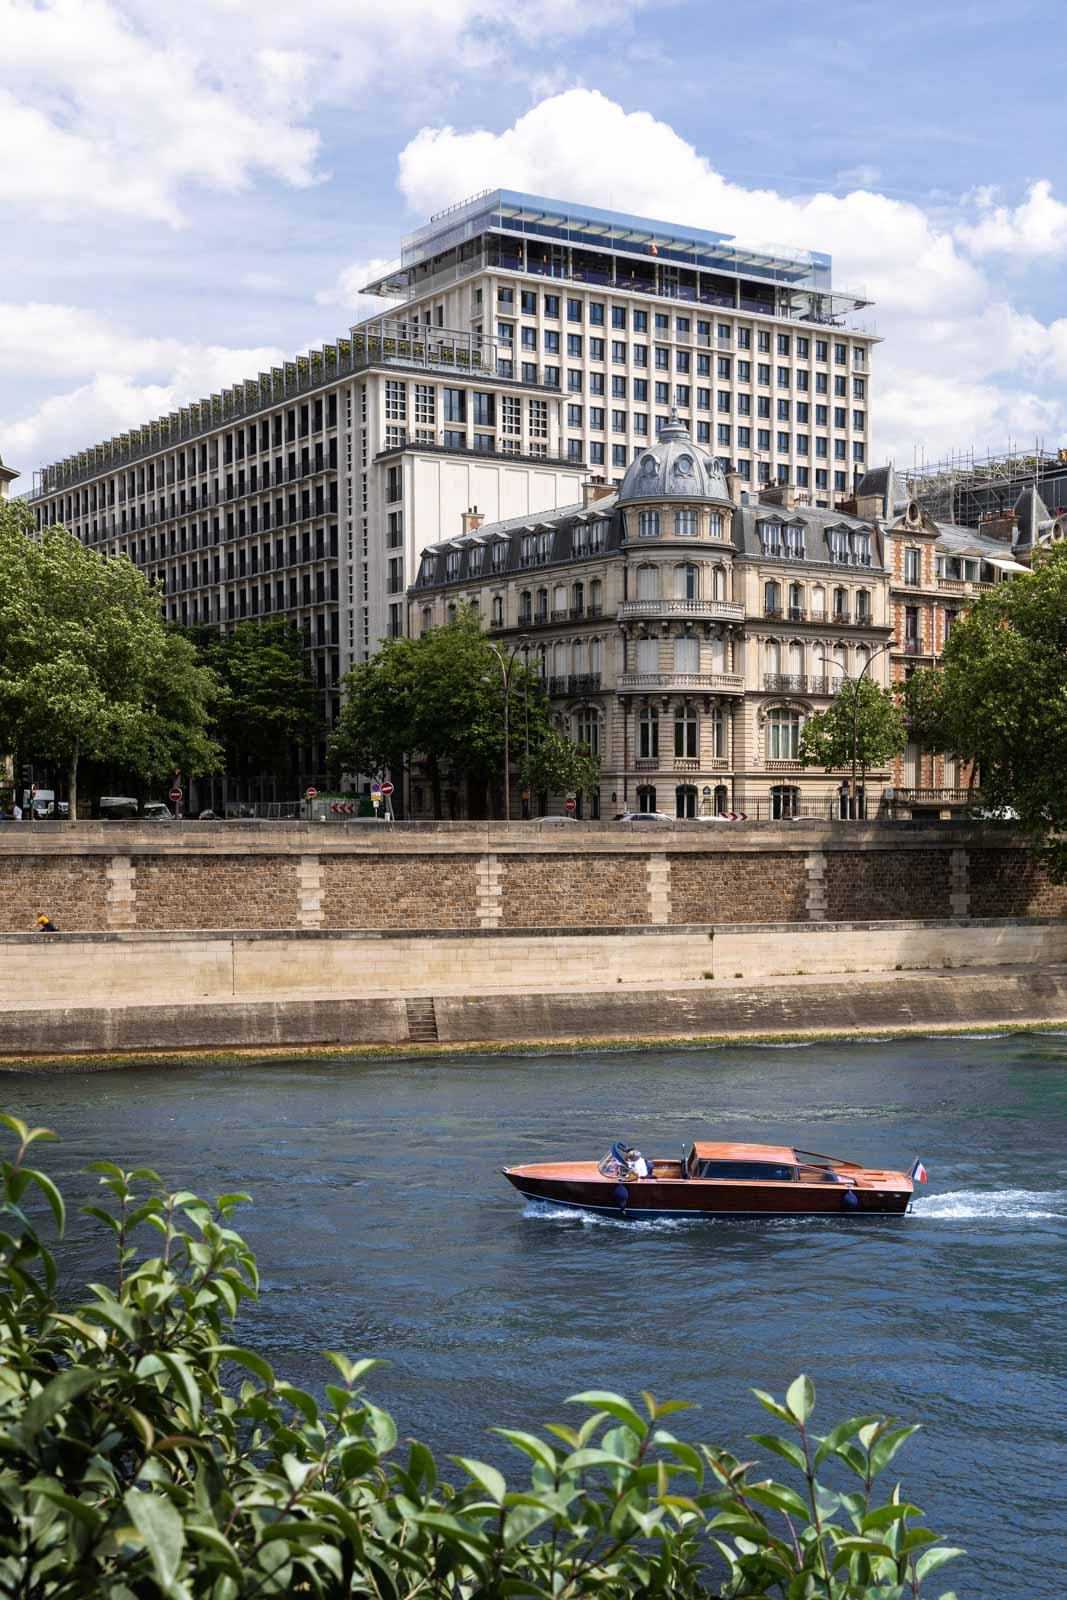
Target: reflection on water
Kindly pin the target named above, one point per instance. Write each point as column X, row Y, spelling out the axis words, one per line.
column 383, row 1227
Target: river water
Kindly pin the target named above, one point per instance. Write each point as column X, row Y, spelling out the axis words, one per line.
column 383, row 1228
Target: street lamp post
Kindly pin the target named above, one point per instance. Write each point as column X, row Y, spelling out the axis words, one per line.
column 855, row 684
column 507, row 666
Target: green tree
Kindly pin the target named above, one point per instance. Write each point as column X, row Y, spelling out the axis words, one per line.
column 1000, row 701
column 440, row 698
column 88, row 668
column 268, row 702
column 146, row 1455
column 557, row 766
column 864, row 726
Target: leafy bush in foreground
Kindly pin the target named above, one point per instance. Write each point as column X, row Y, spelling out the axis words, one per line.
column 130, row 1467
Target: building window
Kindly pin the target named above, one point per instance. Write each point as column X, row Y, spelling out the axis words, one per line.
column 783, row 734
column 648, row 524
column 396, row 402
column 911, row 565
column 685, row 524
column 646, row 799
column 785, row 801
column 498, row 611
column 686, row 734
column 587, row 730
column 688, row 582
column 538, row 419
column 648, row 741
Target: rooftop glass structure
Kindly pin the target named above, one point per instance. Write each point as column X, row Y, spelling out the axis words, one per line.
column 507, row 230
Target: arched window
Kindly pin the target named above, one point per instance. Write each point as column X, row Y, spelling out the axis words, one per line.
column 785, row 800
column 427, row 619
column 577, row 599
column 841, row 657
column 646, row 798
column 587, row 730
column 783, row 734
column 818, row 602
column 718, row 733
column 772, row 657
column 451, row 611
column 525, row 606
column 648, row 655
column 596, row 597
column 718, row 654
column 687, row 653
column 648, row 583
column 863, row 655
column 863, row 605
column 686, row 733
column 559, row 660
column 772, row 599
column 722, row 799
column 685, row 800
column 687, row 582
column 841, row 605
column 559, row 601
column 498, row 609
column 648, row 738
column 578, row 657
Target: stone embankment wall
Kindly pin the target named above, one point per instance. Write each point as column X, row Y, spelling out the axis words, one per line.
column 113, row 877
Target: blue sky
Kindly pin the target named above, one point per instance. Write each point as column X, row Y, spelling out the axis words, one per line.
column 192, row 191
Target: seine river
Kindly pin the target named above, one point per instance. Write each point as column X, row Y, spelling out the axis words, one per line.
column 383, row 1227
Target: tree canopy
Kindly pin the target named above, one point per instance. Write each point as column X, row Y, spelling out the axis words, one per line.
column 148, row 1455
column 1000, row 700
column 88, row 669
column 268, row 702
column 440, row 698
column 880, row 730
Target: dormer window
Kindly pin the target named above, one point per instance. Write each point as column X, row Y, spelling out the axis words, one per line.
column 597, row 537
column 580, row 539
column 452, row 565
column 770, row 534
column 544, row 546
column 474, row 561
column 837, row 539
column 500, row 555
column 426, row 569
column 529, row 549
column 794, row 540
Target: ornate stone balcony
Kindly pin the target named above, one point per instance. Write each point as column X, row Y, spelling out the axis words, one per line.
column 681, row 683
column 683, row 610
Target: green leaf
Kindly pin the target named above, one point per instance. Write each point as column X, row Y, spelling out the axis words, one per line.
column 185, row 1382
column 492, row 1481
column 244, row 1358
column 614, row 1405
column 55, row 1396
column 781, row 1497
column 161, row 1528
column 530, row 1444
column 299, row 1398
column 886, row 1446
column 930, row 1560
column 770, row 1404
column 800, row 1398
column 782, row 1447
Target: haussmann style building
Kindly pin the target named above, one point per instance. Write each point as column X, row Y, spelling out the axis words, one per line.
column 685, row 628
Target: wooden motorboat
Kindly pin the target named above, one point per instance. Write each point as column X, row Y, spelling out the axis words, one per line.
column 718, row 1180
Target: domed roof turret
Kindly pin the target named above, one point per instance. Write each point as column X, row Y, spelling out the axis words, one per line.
column 674, row 468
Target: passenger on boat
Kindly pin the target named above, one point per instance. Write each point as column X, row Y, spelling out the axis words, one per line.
column 639, row 1167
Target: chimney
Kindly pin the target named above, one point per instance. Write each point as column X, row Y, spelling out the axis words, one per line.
column 472, row 519
column 594, row 489
column 778, row 494
column 733, row 486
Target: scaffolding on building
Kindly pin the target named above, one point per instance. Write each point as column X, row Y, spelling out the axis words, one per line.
column 964, row 488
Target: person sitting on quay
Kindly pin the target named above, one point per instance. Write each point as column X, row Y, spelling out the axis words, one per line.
column 44, row 924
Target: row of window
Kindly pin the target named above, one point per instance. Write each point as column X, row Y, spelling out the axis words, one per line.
column 725, row 403
column 598, row 315
column 786, row 541
column 686, row 734
column 796, row 607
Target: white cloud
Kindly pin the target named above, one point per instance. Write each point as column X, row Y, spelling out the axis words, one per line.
column 1035, row 229
column 117, row 107
column 958, row 363
column 347, row 290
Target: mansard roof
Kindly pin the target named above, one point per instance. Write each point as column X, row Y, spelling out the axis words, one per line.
column 560, row 524
column 817, row 522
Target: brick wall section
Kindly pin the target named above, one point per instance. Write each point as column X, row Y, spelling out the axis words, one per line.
column 550, row 891
column 72, row 890
column 739, row 888
column 217, row 891
column 1006, row 883
column 400, row 892
column 882, row 884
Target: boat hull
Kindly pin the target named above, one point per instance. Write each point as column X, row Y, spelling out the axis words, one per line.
column 691, row 1197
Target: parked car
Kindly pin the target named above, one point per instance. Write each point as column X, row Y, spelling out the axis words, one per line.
column 644, row 816
column 156, row 811
column 208, row 816
column 116, row 807
column 564, row 818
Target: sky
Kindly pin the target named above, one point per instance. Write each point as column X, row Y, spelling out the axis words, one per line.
column 190, row 193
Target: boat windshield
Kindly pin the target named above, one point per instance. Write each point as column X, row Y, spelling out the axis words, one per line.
column 746, row 1171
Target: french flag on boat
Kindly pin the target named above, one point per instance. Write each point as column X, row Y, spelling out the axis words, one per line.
column 918, row 1173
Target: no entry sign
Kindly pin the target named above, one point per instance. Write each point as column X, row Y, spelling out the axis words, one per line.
column 175, row 795
column 311, row 793
column 387, row 789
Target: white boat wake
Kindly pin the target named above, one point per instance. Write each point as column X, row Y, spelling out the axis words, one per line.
column 1006, row 1205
